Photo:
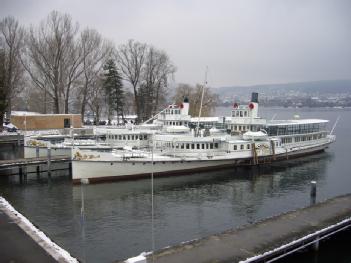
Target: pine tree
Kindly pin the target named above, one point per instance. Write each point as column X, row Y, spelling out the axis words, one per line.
column 114, row 89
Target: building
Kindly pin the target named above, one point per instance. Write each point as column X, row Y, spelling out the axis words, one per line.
column 35, row 121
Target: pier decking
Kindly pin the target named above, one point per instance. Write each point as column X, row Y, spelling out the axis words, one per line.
column 33, row 161
column 264, row 240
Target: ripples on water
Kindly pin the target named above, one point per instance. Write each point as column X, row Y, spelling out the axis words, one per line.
column 118, row 215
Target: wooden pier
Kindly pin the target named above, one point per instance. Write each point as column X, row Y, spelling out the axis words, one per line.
column 264, row 241
column 14, row 139
column 22, row 164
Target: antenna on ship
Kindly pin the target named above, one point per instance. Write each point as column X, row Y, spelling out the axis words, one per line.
column 202, row 98
column 334, row 126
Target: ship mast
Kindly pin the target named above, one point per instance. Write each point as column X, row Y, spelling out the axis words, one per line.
column 202, row 98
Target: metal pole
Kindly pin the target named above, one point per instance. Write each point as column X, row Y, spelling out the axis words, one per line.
column 82, row 215
column 152, row 200
column 202, row 98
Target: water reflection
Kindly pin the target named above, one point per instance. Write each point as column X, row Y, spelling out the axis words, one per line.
column 188, row 207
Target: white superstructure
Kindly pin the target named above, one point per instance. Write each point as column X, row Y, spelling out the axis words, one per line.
column 252, row 141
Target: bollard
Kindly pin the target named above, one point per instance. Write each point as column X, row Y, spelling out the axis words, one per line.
column 37, row 151
column 38, row 169
column 49, row 160
column 313, row 192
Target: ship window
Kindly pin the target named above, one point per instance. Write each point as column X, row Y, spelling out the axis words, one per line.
column 239, row 128
column 187, row 146
column 241, row 147
column 248, row 146
column 237, row 114
column 145, row 137
column 192, row 146
column 211, row 145
column 182, row 146
column 245, row 113
column 124, row 137
column 197, row 146
column 235, row 147
column 119, row 137
column 216, row 145
column 202, row 146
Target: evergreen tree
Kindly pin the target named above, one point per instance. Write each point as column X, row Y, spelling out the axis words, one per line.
column 114, row 89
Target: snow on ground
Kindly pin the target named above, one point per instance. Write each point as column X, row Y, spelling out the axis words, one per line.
column 38, row 236
column 315, row 234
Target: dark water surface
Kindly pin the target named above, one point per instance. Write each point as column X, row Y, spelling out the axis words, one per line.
column 118, row 215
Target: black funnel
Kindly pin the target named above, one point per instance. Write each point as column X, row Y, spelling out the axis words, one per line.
column 186, row 100
column 254, row 97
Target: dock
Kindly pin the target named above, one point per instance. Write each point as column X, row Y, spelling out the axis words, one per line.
column 6, row 164
column 264, row 241
column 19, row 166
column 21, row 241
column 14, row 139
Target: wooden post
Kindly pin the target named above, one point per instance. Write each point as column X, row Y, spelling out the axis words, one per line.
column 70, row 168
column 49, row 160
column 20, row 174
column 18, row 139
column 313, row 192
column 37, row 151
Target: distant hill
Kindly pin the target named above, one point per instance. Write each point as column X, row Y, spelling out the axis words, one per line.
column 313, row 87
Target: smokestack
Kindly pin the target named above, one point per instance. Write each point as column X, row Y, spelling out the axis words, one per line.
column 254, row 97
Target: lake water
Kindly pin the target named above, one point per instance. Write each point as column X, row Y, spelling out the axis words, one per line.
column 118, row 215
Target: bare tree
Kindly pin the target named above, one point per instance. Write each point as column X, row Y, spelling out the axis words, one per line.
column 147, row 70
column 156, row 72
column 11, row 70
column 53, row 58
column 96, row 99
column 194, row 95
column 95, row 51
column 131, row 59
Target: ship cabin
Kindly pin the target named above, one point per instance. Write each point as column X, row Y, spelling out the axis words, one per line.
column 245, row 117
column 173, row 115
column 297, row 131
column 187, row 145
column 132, row 138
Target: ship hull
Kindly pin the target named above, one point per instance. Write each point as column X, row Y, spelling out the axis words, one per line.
column 101, row 171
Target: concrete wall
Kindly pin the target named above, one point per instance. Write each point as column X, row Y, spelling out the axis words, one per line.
column 45, row 121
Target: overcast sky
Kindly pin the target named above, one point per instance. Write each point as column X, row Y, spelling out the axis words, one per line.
column 242, row 42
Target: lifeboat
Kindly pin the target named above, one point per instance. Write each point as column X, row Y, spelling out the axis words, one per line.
column 255, row 136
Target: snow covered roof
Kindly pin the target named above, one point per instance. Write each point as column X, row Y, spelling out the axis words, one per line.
column 297, row 121
column 205, row 119
column 22, row 113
